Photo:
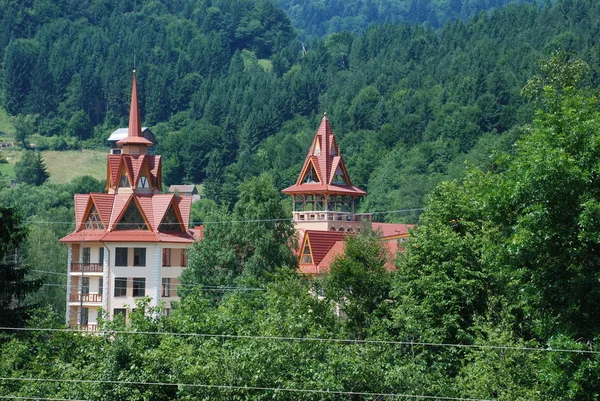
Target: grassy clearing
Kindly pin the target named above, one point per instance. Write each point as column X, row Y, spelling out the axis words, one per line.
column 7, row 130
column 65, row 165
column 62, row 166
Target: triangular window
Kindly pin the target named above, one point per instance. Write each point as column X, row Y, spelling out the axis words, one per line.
column 132, row 219
column 311, row 176
column 340, row 178
column 143, row 182
column 93, row 221
column 317, row 150
column 124, row 181
column 333, row 150
column 306, row 258
column 170, row 222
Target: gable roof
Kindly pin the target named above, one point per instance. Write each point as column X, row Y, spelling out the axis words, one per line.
column 134, row 165
column 111, row 208
column 324, row 155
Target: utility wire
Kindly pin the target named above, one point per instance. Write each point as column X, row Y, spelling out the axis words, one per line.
column 314, row 339
column 231, row 387
column 242, row 221
column 14, row 397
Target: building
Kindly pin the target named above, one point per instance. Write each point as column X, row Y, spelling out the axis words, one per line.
column 129, row 242
column 186, row 190
column 122, row 133
column 324, row 206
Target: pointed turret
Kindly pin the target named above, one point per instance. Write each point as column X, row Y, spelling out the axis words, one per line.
column 134, row 143
column 133, row 169
column 324, row 197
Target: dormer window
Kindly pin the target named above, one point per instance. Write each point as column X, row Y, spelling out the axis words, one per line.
column 317, row 150
column 124, row 182
column 311, row 176
column 143, row 182
column 339, row 178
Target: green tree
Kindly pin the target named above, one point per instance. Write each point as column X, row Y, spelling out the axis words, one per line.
column 359, row 282
column 31, row 169
column 13, row 286
column 247, row 245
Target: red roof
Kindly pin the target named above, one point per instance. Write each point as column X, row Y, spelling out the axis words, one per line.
column 392, row 230
column 324, row 156
column 135, row 165
column 111, row 208
column 320, row 242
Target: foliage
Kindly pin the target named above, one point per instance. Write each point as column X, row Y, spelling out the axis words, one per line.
column 359, row 282
column 244, row 246
column 31, row 169
column 13, row 286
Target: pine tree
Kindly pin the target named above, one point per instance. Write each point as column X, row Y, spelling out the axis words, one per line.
column 13, row 285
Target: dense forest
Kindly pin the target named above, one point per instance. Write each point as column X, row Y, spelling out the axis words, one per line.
column 230, row 93
column 314, row 19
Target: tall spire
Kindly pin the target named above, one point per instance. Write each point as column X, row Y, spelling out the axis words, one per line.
column 134, row 133
column 135, row 128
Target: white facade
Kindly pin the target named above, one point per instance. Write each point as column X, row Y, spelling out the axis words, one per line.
column 113, row 276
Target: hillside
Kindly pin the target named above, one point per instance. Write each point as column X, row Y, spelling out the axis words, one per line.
column 229, row 93
column 315, row 19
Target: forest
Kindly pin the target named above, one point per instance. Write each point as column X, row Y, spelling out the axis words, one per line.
column 480, row 125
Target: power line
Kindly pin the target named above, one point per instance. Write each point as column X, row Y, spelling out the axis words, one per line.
column 242, row 221
column 14, row 397
column 231, row 387
column 315, row 339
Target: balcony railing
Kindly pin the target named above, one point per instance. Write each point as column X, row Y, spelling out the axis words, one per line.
column 86, row 267
column 85, row 327
column 331, row 216
column 86, row 298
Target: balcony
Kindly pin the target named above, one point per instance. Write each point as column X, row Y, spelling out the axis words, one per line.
column 85, row 327
column 86, row 298
column 331, row 216
column 86, row 268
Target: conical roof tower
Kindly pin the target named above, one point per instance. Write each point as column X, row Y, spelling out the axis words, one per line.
column 324, row 197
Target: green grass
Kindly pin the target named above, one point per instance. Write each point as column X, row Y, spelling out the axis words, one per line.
column 7, row 131
column 65, row 165
column 62, row 166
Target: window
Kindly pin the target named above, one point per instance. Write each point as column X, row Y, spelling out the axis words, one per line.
column 85, row 285
column 93, row 221
column 132, row 219
column 100, row 285
column 119, row 312
column 101, row 256
column 170, row 222
column 120, row 256
column 339, row 177
column 85, row 316
column 86, row 255
column 183, row 257
column 124, row 182
column 306, row 255
column 311, row 176
column 166, row 257
column 139, row 287
column 143, row 182
column 139, row 256
column 120, row 287
column 166, row 287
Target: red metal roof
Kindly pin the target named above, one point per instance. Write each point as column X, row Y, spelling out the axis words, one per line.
column 104, row 203
column 152, row 207
column 324, row 155
column 392, row 230
column 81, row 202
column 134, row 135
column 321, row 242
